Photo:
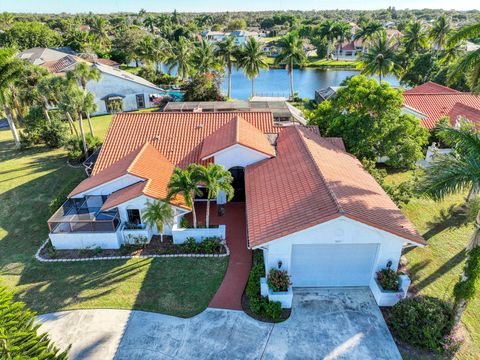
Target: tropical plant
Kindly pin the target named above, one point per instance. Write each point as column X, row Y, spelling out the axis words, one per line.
column 457, row 171
column 226, row 51
column 414, row 39
column 342, row 32
column 99, row 31
column 204, row 60
column 158, row 213
column 184, row 183
column 83, row 73
column 10, row 71
column 291, row 54
column 181, row 58
column 439, row 32
column 19, row 333
column 380, row 59
column 278, row 280
column 214, row 178
column 367, row 32
column 470, row 62
column 251, row 59
column 326, row 32
column 388, row 279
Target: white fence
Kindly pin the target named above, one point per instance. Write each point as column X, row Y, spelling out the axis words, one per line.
column 181, row 234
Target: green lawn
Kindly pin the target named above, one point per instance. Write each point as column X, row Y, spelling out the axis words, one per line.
column 29, row 180
column 436, row 268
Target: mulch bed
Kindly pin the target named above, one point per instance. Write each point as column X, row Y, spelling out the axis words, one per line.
column 155, row 247
column 284, row 315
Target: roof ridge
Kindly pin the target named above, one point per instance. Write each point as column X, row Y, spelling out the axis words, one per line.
column 132, row 164
column 322, row 177
column 237, row 130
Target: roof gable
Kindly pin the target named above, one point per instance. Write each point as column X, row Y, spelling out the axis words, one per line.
column 469, row 113
column 236, row 132
column 431, row 88
column 312, row 181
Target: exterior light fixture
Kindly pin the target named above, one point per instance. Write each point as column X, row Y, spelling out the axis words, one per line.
column 389, row 264
column 280, row 264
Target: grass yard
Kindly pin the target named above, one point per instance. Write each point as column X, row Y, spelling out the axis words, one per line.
column 436, row 268
column 29, row 180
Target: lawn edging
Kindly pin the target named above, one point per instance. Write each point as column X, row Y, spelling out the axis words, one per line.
column 124, row 257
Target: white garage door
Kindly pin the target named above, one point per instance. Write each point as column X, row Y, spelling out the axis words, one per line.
column 333, row 265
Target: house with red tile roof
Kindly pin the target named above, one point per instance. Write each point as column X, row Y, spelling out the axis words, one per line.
column 430, row 102
column 310, row 206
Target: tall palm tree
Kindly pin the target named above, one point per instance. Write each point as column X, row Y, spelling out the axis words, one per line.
column 465, row 289
column 470, row 62
column 326, row 32
column 414, row 39
column 83, row 73
column 144, row 49
column 251, row 59
column 291, row 53
column 182, row 58
column 160, row 53
column 214, row 178
column 158, row 213
column 439, row 32
column 203, row 58
column 367, row 32
column 226, row 51
column 6, row 20
column 185, row 183
column 457, row 171
column 149, row 22
column 99, row 30
column 380, row 59
column 10, row 71
column 342, row 32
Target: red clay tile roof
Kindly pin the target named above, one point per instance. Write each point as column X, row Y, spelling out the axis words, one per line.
column 437, row 105
column 469, row 113
column 146, row 163
column 431, row 88
column 178, row 136
column 108, row 62
column 236, row 131
column 123, row 195
column 311, row 181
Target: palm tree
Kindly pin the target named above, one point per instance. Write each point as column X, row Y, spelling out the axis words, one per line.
column 251, row 59
column 10, row 71
column 226, row 51
column 439, row 32
column 367, row 33
column 457, row 171
column 203, row 58
column 158, row 213
column 83, row 73
column 342, row 32
column 214, row 178
column 144, row 49
column 465, row 289
column 161, row 51
column 291, row 53
column 6, row 19
column 184, row 182
column 98, row 29
column 380, row 58
column 326, row 32
column 149, row 22
column 414, row 39
column 182, row 58
column 470, row 63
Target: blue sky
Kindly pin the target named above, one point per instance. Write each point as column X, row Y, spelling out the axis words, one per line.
column 105, row 6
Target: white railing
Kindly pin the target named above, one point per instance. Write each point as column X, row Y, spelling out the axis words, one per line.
column 181, row 234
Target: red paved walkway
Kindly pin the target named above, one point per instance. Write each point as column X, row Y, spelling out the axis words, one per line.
column 229, row 295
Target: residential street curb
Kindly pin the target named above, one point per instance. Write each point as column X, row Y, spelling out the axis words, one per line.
column 41, row 259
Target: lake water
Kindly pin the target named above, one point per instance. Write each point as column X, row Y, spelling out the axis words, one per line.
column 275, row 82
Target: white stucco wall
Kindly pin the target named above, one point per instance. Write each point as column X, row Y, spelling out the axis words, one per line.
column 112, row 186
column 238, row 155
column 110, row 84
column 338, row 231
column 85, row 240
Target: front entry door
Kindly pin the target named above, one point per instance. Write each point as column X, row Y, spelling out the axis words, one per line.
column 238, row 183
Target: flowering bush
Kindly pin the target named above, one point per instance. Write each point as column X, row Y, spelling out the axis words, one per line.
column 452, row 342
column 278, row 280
column 388, row 279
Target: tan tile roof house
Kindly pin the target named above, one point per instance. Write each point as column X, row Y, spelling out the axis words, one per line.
column 310, row 206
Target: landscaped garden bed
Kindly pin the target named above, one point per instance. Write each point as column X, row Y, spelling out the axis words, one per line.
column 255, row 305
column 209, row 246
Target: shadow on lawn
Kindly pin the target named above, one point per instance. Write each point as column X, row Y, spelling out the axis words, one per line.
column 453, row 217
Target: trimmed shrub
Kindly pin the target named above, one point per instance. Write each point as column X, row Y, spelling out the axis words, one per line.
column 422, row 321
column 273, row 309
column 210, row 245
column 388, row 279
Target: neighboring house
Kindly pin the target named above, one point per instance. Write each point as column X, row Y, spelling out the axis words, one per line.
column 311, row 207
column 351, row 48
column 241, row 36
column 325, row 94
column 282, row 111
column 430, row 102
column 117, row 90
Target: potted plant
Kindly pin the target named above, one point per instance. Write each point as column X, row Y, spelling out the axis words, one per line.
column 279, row 287
column 388, row 279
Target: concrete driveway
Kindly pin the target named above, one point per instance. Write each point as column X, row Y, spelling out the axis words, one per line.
column 325, row 324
